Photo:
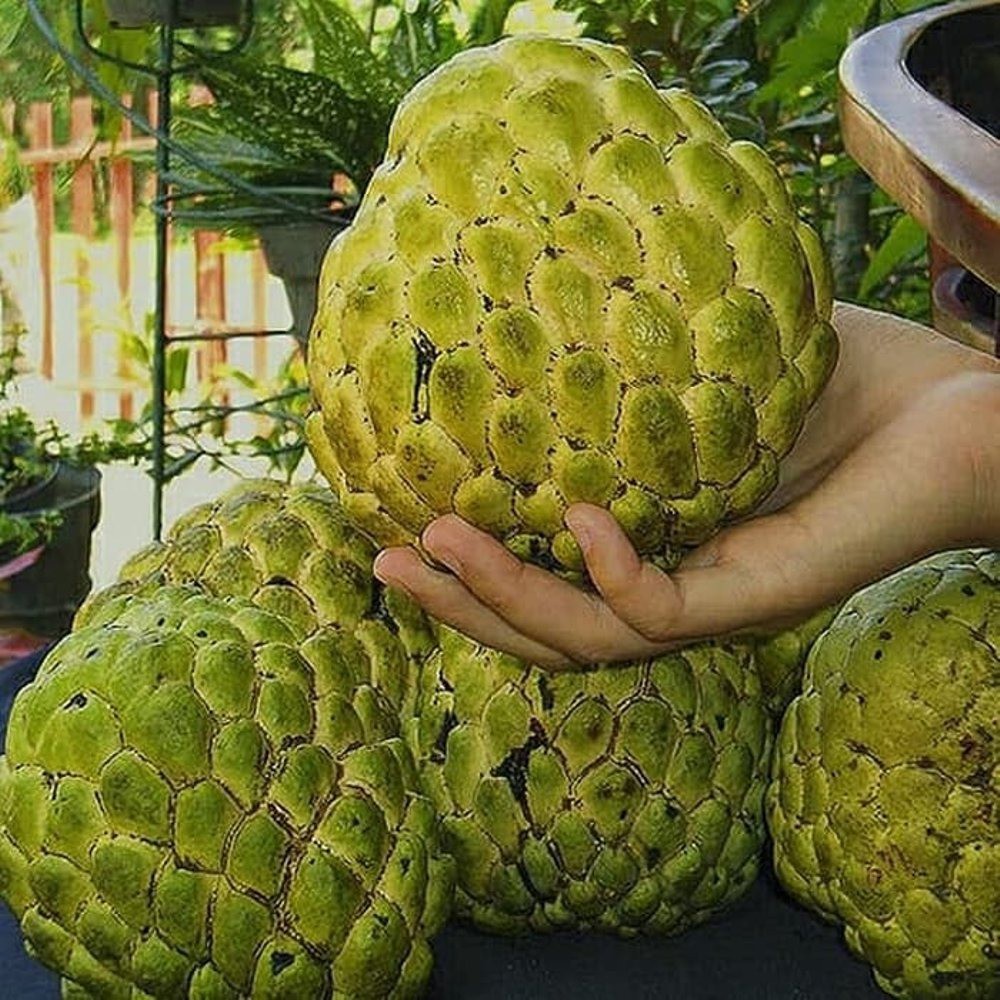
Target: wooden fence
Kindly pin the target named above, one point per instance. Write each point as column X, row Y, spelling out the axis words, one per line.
column 213, row 288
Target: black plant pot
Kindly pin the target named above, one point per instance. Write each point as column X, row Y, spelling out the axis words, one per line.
column 37, row 496
column 42, row 599
column 189, row 13
column 294, row 252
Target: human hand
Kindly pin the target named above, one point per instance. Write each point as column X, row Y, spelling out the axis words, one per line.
column 900, row 458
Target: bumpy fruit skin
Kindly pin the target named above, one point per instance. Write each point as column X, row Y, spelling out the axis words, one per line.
column 625, row 799
column 194, row 804
column 886, row 786
column 781, row 658
column 289, row 549
column 564, row 285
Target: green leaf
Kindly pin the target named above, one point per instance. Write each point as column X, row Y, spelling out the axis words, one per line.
column 777, row 19
column 176, row 466
column 905, row 241
column 176, row 372
column 341, row 52
column 12, row 17
column 136, row 349
column 811, row 122
column 289, row 460
column 217, row 136
column 20, row 533
column 242, row 378
column 302, row 116
column 126, row 45
column 816, row 48
column 422, row 39
column 898, row 7
column 488, row 21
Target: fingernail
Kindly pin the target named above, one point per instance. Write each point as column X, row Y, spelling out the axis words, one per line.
column 448, row 558
column 393, row 583
column 378, row 568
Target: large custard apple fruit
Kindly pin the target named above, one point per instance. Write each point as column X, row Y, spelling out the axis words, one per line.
column 291, row 550
column 564, row 285
column 885, row 800
column 627, row 799
column 781, row 657
column 194, row 804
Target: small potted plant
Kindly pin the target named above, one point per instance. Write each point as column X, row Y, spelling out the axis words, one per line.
column 281, row 177
column 48, row 509
column 49, row 506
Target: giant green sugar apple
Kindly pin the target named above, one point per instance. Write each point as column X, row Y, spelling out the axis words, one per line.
column 291, row 550
column 626, row 799
column 885, row 800
column 194, row 803
column 564, row 285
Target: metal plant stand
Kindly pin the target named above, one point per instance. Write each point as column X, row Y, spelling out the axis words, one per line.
column 176, row 57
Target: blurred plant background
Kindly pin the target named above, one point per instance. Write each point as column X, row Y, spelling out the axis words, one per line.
column 767, row 67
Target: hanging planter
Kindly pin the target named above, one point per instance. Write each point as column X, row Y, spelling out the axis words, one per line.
column 189, row 13
column 294, row 252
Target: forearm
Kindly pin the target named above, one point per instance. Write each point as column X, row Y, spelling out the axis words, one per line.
column 885, row 365
column 926, row 480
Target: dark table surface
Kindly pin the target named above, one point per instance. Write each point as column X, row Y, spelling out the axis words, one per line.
column 763, row 948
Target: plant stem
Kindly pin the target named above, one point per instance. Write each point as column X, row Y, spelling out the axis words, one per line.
column 852, row 206
column 219, row 410
column 278, row 416
column 816, row 154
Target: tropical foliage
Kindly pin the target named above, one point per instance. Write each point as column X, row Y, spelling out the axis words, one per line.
column 285, row 130
column 769, row 69
column 313, row 94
